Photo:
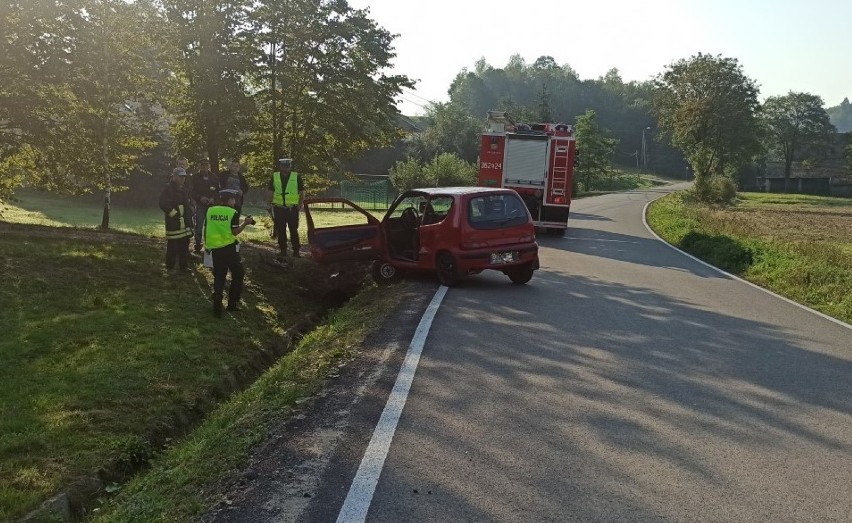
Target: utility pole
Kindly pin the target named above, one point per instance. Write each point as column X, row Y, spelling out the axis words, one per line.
column 106, row 109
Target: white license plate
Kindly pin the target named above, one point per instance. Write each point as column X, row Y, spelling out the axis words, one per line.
column 504, row 257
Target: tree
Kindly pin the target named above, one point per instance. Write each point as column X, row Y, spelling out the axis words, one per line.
column 841, row 116
column 708, row 107
column 76, row 83
column 407, row 174
column 796, row 123
column 597, row 150
column 448, row 170
column 451, row 130
column 214, row 54
column 331, row 98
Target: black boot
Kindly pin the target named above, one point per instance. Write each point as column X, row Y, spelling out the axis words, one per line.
column 234, row 306
column 217, row 306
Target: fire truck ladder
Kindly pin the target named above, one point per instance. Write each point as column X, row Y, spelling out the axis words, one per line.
column 559, row 184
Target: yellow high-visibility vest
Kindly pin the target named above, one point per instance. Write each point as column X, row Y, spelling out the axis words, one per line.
column 288, row 196
column 217, row 228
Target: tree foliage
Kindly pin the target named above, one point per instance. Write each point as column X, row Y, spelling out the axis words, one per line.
column 708, row 107
column 596, row 148
column 841, row 116
column 332, row 99
column 213, row 54
column 547, row 91
column 81, row 82
column 450, row 130
column 75, row 86
column 445, row 170
column 797, row 126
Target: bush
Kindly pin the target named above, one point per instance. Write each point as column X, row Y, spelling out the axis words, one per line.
column 715, row 189
column 448, row 170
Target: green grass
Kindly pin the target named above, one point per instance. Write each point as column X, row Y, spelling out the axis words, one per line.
column 182, row 483
column 763, row 199
column 37, row 208
column 103, row 354
column 796, row 245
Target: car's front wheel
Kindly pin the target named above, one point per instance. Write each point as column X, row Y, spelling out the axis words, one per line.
column 447, row 269
column 522, row 274
column 385, row 273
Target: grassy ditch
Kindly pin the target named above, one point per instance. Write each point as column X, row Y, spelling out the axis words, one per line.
column 181, row 484
column 799, row 246
column 104, row 354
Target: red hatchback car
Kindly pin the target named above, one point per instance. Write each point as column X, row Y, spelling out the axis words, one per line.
column 454, row 231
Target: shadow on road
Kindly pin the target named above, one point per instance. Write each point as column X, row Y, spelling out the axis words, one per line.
column 626, row 248
column 631, row 374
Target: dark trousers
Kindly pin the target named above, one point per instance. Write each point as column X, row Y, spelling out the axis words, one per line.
column 286, row 218
column 227, row 259
column 177, row 250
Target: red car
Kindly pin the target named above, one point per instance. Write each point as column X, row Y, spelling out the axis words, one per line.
column 454, row 231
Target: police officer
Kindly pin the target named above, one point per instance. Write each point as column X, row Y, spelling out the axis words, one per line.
column 220, row 236
column 174, row 204
column 288, row 190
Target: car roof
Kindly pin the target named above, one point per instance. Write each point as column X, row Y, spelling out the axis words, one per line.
column 458, row 191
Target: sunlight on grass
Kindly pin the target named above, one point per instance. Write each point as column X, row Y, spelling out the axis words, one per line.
column 49, row 210
column 799, row 246
column 102, row 351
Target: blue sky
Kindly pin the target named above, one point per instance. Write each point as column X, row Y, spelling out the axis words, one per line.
column 784, row 45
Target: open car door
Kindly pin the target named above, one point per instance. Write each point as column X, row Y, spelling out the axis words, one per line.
column 357, row 238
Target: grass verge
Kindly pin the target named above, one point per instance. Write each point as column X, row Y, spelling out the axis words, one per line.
column 181, row 484
column 798, row 246
column 104, row 354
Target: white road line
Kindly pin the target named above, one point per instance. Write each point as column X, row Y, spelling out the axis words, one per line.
column 735, row 277
column 364, row 485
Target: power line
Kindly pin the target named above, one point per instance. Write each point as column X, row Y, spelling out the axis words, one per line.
column 411, row 92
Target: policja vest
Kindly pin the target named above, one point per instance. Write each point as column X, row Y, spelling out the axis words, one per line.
column 288, row 196
column 217, row 229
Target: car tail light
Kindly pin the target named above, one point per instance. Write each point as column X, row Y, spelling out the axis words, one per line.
column 526, row 238
column 559, row 199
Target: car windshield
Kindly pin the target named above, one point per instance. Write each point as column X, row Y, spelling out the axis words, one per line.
column 415, row 202
column 496, row 211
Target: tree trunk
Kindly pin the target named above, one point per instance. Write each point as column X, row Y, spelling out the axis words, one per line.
column 107, row 198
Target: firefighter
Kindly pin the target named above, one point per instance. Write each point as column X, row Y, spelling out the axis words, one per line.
column 220, row 237
column 173, row 202
column 205, row 187
column 288, row 190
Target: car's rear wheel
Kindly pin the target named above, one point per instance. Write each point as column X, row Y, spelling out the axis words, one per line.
column 385, row 273
column 447, row 269
column 522, row 274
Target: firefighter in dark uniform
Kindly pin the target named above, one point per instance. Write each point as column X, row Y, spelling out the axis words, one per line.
column 220, row 236
column 288, row 190
column 174, row 203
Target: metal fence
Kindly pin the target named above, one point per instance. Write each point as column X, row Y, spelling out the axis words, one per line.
column 369, row 191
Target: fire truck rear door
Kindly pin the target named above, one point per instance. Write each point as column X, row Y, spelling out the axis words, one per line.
column 525, row 163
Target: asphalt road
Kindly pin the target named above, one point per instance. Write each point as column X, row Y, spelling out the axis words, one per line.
column 625, row 382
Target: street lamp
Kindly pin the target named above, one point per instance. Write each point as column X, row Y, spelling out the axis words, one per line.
column 644, row 153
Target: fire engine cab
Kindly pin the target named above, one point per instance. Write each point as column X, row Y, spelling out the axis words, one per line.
column 537, row 161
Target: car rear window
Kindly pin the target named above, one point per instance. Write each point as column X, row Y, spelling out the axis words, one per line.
column 496, row 211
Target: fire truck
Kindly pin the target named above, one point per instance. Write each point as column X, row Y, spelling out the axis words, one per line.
column 537, row 161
